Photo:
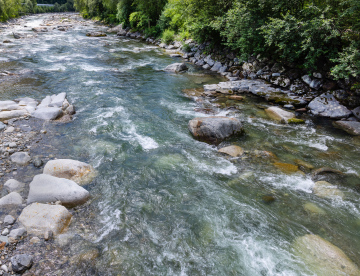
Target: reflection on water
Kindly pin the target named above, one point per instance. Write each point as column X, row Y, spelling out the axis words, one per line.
column 165, row 204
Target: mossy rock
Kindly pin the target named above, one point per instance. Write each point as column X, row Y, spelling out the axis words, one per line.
column 296, row 121
column 287, row 168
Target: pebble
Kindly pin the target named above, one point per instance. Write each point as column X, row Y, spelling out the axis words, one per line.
column 9, row 220
column 12, row 145
column 5, row 232
column 9, row 129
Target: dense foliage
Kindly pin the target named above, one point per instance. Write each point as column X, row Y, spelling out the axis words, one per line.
column 13, row 8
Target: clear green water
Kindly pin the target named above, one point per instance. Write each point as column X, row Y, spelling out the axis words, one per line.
column 165, row 204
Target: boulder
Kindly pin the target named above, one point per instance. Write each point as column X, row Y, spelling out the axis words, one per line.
column 233, row 151
column 326, row 190
column 47, row 113
column 280, row 81
column 216, row 66
column 39, row 218
column 327, row 105
column 351, row 127
column 214, row 129
column 20, row 158
column 21, row 262
column 8, row 105
column 176, row 67
column 57, row 100
column 77, row 171
column 324, row 258
column 47, row 188
column 313, row 83
column 13, row 185
column 6, row 115
column 279, row 114
column 116, row 29
column 11, row 199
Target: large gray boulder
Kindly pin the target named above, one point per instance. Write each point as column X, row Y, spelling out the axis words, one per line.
column 216, row 66
column 214, row 129
column 77, row 171
column 351, row 127
column 46, row 188
column 40, row 218
column 20, row 158
column 324, row 258
column 176, row 67
column 11, row 199
column 327, row 105
column 47, row 113
column 278, row 114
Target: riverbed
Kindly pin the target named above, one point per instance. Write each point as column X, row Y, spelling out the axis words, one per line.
column 164, row 203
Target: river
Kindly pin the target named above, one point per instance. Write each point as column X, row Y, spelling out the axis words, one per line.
column 164, row 203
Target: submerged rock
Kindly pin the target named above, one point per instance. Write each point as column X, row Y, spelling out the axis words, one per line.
column 313, row 209
column 96, row 34
column 20, row 158
column 39, row 218
column 46, row 188
column 279, row 114
column 327, row 105
column 214, row 129
column 77, row 171
column 287, row 168
column 324, row 258
column 233, row 151
column 351, row 127
column 326, row 190
column 13, row 185
column 176, row 67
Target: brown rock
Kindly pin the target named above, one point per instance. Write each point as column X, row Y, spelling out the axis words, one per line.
column 287, row 168
column 236, row 98
column 233, row 151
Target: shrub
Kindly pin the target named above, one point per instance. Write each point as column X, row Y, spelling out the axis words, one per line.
column 186, row 48
column 168, row 36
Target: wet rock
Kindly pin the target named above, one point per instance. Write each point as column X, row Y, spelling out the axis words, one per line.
column 313, row 209
column 20, row 158
column 233, row 151
column 37, row 162
column 214, row 129
column 16, row 234
column 351, row 127
column 313, row 83
column 46, row 188
column 74, row 170
column 13, row 185
column 38, row 218
column 47, row 113
column 176, row 67
column 327, row 106
column 9, row 220
column 6, row 115
column 324, row 258
column 303, row 165
column 96, row 34
column 116, row 29
column 40, row 29
column 11, row 199
column 326, row 190
column 324, row 171
column 64, row 119
column 21, row 262
column 287, row 168
column 279, row 114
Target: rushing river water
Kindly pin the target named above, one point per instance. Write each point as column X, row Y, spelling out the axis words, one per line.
column 164, row 203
